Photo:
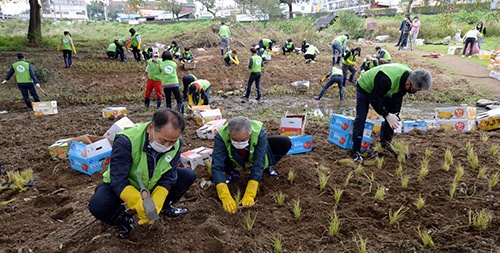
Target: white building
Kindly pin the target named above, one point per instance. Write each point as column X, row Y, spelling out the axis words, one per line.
column 330, row 5
column 65, row 9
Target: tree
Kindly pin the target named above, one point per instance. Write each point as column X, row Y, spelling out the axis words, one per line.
column 135, row 5
column 289, row 4
column 96, row 10
column 210, row 5
column 261, row 9
column 172, row 6
column 35, row 23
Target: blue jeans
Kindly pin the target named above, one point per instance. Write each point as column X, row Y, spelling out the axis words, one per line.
column 333, row 79
column 105, row 203
column 336, row 47
column 479, row 42
column 345, row 68
column 27, row 89
column 254, row 76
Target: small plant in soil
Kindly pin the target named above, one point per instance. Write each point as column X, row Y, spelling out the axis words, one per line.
column 473, row 159
column 428, row 153
column 419, row 202
column 494, row 149
column 334, row 224
column 279, row 199
column 348, row 178
column 484, row 138
column 425, row 237
column 399, row 170
column 291, row 176
column 493, row 181
column 402, row 150
column 453, row 188
column 480, row 220
column 469, row 146
column 297, row 210
column 378, row 148
column 277, row 241
column 323, row 180
column 346, row 162
column 371, row 177
column 380, row 162
column 208, row 164
column 361, row 244
column 395, row 217
column 380, row 193
column 359, row 169
column 424, row 169
column 459, row 174
column 249, row 220
column 448, row 156
column 237, row 197
column 20, row 180
column 337, row 195
column 404, row 181
column 482, row 172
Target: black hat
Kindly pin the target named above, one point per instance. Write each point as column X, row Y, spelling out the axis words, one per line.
column 20, row 55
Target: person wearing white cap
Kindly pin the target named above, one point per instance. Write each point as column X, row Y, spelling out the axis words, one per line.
column 152, row 73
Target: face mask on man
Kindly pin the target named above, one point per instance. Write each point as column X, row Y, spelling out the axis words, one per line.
column 239, row 145
column 158, row 147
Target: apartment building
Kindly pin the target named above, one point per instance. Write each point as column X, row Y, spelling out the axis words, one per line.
column 65, row 9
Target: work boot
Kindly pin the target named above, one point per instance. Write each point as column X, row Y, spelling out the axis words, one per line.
column 180, row 108
column 146, row 102
column 317, row 97
column 171, row 211
column 356, row 157
column 232, row 176
column 125, row 224
column 271, row 171
column 66, row 62
column 222, row 52
column 158, row 104
column 169, row 106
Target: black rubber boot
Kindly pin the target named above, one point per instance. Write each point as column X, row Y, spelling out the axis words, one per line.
column 180, row 108
column 169, row 106
column 125, row 224
column 222, row 52
column 146, row 102
column 158, row 104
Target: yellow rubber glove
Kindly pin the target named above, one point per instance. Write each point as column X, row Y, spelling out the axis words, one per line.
column 323, row 79
column 74, row 49
column 159, row 195
column 350, row 62
column 228, row 202
column 190, row 100
column 250, row 193
column 58, row 48
column 131, row 196
column 235, row 60
column 139, row 46
column 201, row 102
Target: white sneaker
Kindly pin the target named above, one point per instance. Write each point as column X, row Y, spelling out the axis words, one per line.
column 313, row 61
column 469, row 56
column 463, row 56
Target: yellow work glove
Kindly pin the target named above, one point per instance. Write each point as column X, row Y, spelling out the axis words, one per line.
column 250, row 193
column 323, row 79
column 235, row 60
column 350, row 62
column 201, row 102
column 159, row 195
column 74, row 49
column 190, row 100
column 139, row 46
column 228, row 202
column 131, row 196
column 58, row 48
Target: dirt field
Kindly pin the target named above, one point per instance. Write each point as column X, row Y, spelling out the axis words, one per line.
column 53, row 216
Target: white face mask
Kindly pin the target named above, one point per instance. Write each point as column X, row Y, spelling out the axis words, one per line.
column 158, row 147
column 239, row 145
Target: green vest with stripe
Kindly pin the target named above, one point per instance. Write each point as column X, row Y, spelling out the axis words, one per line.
column 387, row 56
column 266, row 42
column 256, row 64
column 288, row 45
column 342, row 39
column 254, row 139
column 22, row 70
column 394, row 71
column 351, row 57
column 111, row 47
column 224, row 31
column 135, row 42
column 204, row 84
column 168, row 72
column 336, row 71
column 137, row 137
column 186, row 54
column 122, row 41
column 66, row 43
column 154, row 70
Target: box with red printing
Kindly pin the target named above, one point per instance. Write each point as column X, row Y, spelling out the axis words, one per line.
column 345, row 124
column 293, row 125
column 198, row 156
column 345, row 141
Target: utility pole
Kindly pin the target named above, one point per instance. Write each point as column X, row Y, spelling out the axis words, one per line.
column 60, row 9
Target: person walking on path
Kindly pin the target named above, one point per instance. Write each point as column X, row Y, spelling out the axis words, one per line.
column 415, row 28
column 67, row 46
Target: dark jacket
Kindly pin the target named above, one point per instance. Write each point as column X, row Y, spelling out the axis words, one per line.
column 378, row 94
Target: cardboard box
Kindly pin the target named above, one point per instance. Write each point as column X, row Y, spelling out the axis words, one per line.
column 457, row 112
column 456, row 125
column 485, row 55
column 89, row 154
column 489, row 120
column 117, row 127
column 59, row 150
column 301, row 144
column 205, row 116
column 189, row 65
column 45, row 108
column 293, row 125
column 209, row 130
column 345, row 124
column 414, row 125
column 455, row 50
column 494, row 74
column 114, row 112
column 345, row 141
column 198, row 156
column 301, row 85
column 377, row 125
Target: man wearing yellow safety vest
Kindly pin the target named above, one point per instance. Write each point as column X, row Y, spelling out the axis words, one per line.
column 199, row 92
column 146, row 155
column 67, row 46
column 349, row 64
column 187, row 79
column 339, row 45
column 335, row 78
column 225, row 37
column 255, row 65
column 26, row 79
column 111, row 51
column 383, row 88
column 135, row 43
column 383, row 56
column 288, row 47
column 153, row 75
column 231, row 56
column 243, row 141
column 368, row 64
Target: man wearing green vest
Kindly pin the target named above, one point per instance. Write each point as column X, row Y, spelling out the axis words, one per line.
column 199, row 92
column 135, row 43
column 368, row 64
column 338, row 47
column 170, row 81
column 310, row 54
column 225, row 37
column 266, row 43
column 288, row 47
column 67, row 46
column 187, row 55
column 349, row 64
column 255, row 65
column 383, row 56
column 26, row 79
column 231, row 57
column 187, row 79
column 384, row 87
column 121, row 47
column 150, row 151
column 152, row 73
column 243, row 141
column 336, row 78
column 111, row 51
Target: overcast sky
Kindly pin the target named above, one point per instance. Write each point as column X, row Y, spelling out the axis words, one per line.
column 11, row 8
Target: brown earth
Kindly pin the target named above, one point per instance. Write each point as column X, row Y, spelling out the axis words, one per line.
column 53, row 216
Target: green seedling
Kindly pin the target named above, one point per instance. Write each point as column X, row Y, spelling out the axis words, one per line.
column 398, row 215
column 425, row 237
column 297, row 210
column 427, row 153
column 19, row 180
column 399, row 170
column 361, row 244
column 378, row 148
column 493, row 181
column 419, row 202
column 453, row 189
column 249, row 221
column 480, row 220
column 402, row 150
column 446, row 166
column 348, row 178
column 380, row 193
column 370, row 178
column 291, row 176
column 482, row 172
column 277, row 241
column 484, row 138
column 346, row 162
column 468, row 146
column 279, row 199
column 208, row 164
column 448, row 156
column 334, row 224
column 323, row 180
column 424, row 169
column 380, row 162
column 6, row 202
column 404, row 181
column 369, row 162
column 322, row 168
column 459, row 174
column 337, row 195
column 474, row 160
column 359, row 169
column 494, row 149
column 237, row 197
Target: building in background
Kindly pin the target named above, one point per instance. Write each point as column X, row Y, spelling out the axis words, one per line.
column 65, row 9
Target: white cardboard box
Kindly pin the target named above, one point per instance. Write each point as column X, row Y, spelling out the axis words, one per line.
column 460, row 125
column 455, row 112
column 209, row 130
column 293, row 125
column 203, row 117
column 494, row 74
column 45, row 108
column 198, row 156
column 117, row 127
column 89, row 154
column 114, row 112
column 489, row 120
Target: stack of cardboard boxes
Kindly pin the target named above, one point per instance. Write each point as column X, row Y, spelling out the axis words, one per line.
column 460, row 118
column 341, row 128
column 293, row 126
